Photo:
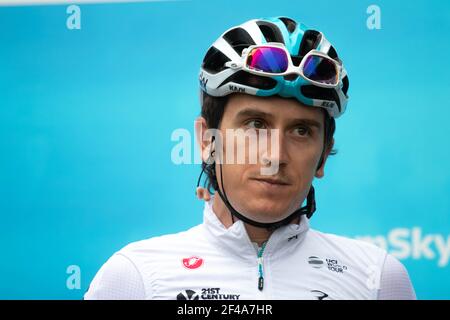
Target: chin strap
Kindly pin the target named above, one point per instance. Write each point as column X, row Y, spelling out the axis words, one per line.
column 307, row 210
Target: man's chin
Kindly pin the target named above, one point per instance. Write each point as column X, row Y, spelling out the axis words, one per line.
column 266, row 210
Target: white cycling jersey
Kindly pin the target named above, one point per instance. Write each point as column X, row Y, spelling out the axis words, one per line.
column 210, row 261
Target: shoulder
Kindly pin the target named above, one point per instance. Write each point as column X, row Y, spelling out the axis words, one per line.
column 117, row 279
column 126, row 274
column 154, row 253
column 163, row 244
column 342, row 241
column 395, row 283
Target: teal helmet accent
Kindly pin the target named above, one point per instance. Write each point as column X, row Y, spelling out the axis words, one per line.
column 217, row 79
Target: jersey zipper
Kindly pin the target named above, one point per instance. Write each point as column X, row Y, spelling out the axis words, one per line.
column 261, row 266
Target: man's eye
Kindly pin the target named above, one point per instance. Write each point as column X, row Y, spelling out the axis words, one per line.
column 302, row 131
column 256, row 124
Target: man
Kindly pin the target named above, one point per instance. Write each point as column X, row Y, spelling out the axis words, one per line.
column 285, row 83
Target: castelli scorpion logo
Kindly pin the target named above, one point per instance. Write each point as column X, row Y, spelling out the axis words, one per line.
column 192, row 262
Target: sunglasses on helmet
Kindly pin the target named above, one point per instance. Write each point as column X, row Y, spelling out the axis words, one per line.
column 273, row 59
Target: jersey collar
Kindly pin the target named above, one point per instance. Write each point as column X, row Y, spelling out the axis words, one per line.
column 235, row 239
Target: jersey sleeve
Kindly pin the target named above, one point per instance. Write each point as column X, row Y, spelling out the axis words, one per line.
column 117, row 279
column 395, row 283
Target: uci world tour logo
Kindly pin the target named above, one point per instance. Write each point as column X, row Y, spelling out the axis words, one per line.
column 331, row 264
column 315, row 262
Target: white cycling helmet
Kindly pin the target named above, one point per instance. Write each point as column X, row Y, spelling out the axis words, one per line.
column 221, row 72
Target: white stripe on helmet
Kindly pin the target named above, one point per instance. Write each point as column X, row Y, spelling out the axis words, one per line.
column 253, row 30
column 222, row 45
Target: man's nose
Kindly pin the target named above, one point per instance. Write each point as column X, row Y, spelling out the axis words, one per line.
column 276, row 151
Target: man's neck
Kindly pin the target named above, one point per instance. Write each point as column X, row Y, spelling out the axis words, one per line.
column 256, row 234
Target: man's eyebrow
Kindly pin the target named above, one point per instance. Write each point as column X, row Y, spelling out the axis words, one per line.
column 308, row 122
column 247, row 112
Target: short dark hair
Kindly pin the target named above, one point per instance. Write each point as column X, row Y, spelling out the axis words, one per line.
column 212, row 111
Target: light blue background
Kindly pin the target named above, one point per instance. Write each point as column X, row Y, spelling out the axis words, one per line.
column 86, row 118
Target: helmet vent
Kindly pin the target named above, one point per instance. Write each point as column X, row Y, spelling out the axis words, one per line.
column 214, row 61
column 251, row 80
column 270, row 31
column 239, row 39
column 310, row 41
column 289, row 23
column 314, row 92
column 345, row 84
column 290, row 77
column 332, row 53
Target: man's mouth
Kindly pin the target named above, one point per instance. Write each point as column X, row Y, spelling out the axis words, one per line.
column 272, row 182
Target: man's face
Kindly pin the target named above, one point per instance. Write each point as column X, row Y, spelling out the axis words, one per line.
column 268, row 198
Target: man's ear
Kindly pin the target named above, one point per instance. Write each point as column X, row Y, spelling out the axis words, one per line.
column 320, row 172
column 203, row 143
